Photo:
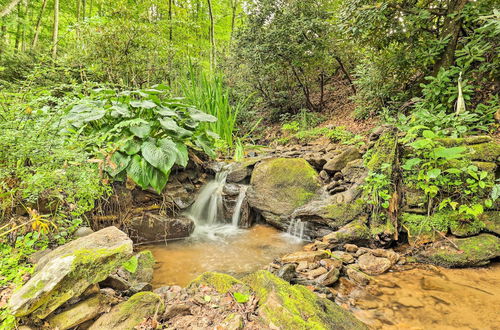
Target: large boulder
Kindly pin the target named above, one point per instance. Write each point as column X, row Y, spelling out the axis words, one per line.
column 295, row 307
column 462, row 252
column 280, row 185
column 69, row 270
column 129, row 314
column 151, row 227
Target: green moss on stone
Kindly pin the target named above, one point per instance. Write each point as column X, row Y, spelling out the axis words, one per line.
column 345, row 211
column 454, row 142
column 295, row 307
column 489, row 152
column 472, row 251
column 383, row 152
column 223, row 283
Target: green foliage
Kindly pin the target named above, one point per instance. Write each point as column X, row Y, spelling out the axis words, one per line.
column 377, row 187
column 210, row 94
column 292, row 132
column 241, row 297
column 131, row 264
column 141, row 134
column 446, row 178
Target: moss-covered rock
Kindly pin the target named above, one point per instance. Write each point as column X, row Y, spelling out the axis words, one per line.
column 486, row 152
column 80, row 313
column 340, row 161
column 454, row 142
column 472, row 251
column 128, row 314
column 280, row 185
column 491, row 220
column 223, row 283
column 286, row 306
column 356, row 232
column 69, row 270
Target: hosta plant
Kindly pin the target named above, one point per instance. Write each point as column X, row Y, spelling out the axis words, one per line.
column 141, row 134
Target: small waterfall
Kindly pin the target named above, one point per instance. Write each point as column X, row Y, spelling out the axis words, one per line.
column 239, row 203
column 208, row 208
column 296, row 228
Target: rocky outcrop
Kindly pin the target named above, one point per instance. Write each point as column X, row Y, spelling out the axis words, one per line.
column 151, row 227
column 340, row 161
column 69, row 270
column 280, row 185
column 129, row 314
column 462, row 252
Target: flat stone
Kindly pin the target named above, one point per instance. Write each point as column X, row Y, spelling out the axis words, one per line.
column 352, row 248
column 309, row 256
column 128, row 314
column 389, row 254
column 69, row 270
column 287, row 272
column 80, row 313
column 339, row 162
column 373, row 265
column 345, row 257
column 312, row 274
column 152, row 227
column 331, row 263
column 176, row 310
column 329, row 277
column 357, row 276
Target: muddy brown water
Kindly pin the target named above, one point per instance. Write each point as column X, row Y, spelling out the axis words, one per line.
column 431, row 297
column 240, row 253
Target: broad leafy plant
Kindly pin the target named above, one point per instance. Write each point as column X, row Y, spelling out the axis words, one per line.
column 141, row 134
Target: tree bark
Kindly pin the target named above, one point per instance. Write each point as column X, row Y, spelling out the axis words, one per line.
column 55, row 31
column 78, row 8
column 170, row 14
column 38, row 25
column 346, row 73
column 451, row 29
column 234, row 7
column 213, row 60
column 9, row 8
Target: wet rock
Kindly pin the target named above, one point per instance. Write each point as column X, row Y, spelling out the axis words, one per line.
column 329, row 277
column 331, row 263
column 280, row 185
column 80, row 313
column 339, row 162
column 238, row 172
column 128, row 314
column 302, row 266
column 324, row 175
column 295, row 307
column 308, row 256
column 176, row 310
column 69, row 270
column 355, row 232
column 386, row 253
column 491, row 220
column 345, row 257
column 372, row 265
column 361, row 251
column 312, row 274
column 338, row 176
column 287, row 272
column 338, row 190
column 351, row 248
column 83, row 231
column 357, row 276
column 179, row 193
column 156, row 228
column 472, row 251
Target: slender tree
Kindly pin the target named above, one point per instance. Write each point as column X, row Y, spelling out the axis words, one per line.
column 38, row 26
column 9, row 8
column 55, row 31
column 213, row 60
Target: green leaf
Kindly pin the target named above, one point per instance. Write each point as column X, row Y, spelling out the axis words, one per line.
column 201, row 116
column 450, row 153
column 167, row 112
column 182, row 154
column 158, row 180
column 241, row 297
column 410, row 163
column 120, row 162
column 145, row 104
column 142, row 130
column 202, row 142
column 131, row 147
column 160, row 157
column 434, row 173
column 131, row 264
column 139, row 171
column 120, row 110
column 428, row 134
column 171, row 125
column 495, row 192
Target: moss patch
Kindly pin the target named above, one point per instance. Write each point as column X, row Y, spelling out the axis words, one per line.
column 295, row 307
column 223, row 283
column 489, row 152
column 472, row 251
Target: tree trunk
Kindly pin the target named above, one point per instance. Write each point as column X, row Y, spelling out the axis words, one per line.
column 213, row 60
column 18, row 27
column 234, row 6
column 55, row 31
column 78, row 8
column 38, row 25
column 170, row 28
column 84, row 9
column 9, row 8
column 346, row 73
column 25, row 24
column 451, row 29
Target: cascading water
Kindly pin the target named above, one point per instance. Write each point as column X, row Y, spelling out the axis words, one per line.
column 208, row 207
column 237, row 209
column 296, row 228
